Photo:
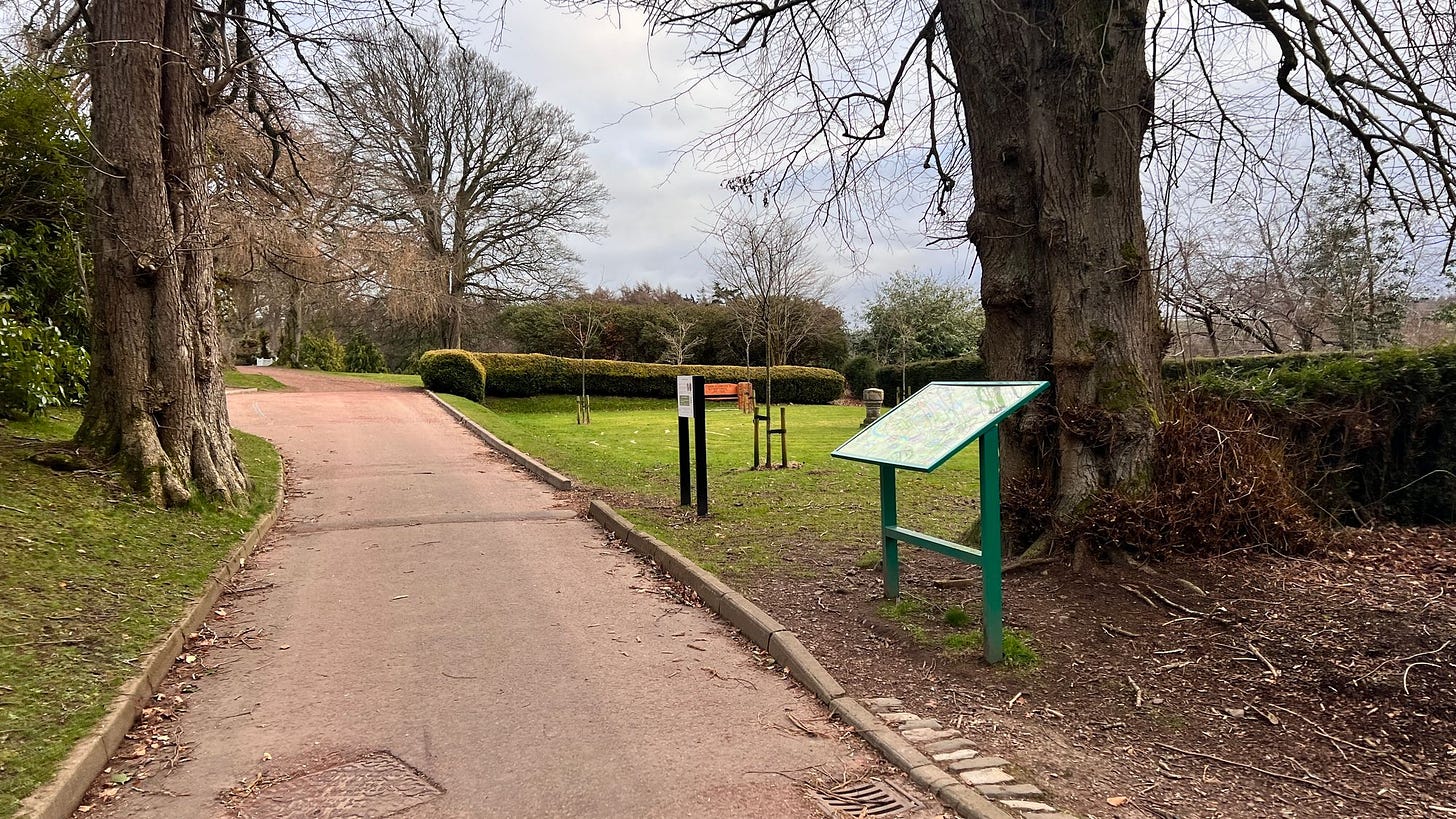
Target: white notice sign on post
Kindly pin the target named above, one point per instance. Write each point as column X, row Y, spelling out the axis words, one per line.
column 684, row 396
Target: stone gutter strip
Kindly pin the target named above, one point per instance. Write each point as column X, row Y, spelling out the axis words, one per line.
column 540, row 470
column 60, row 797
column 784, row 646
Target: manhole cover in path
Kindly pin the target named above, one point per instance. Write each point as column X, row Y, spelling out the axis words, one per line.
column 872, row 797
column 372, row 786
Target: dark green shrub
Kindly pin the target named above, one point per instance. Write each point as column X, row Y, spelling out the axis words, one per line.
column 859, row 372
column 456, row 372
column 321, row 352
column 920, row 373
column 38, row 368
column 1369, row 435
column 526, row 374
column 363, row 356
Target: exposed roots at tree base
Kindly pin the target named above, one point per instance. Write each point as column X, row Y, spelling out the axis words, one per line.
column 1220, row 485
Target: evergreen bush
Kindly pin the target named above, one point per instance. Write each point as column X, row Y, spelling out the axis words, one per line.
column 526, row 374
column 321, row 352
column 362, row 355
column 456, row 372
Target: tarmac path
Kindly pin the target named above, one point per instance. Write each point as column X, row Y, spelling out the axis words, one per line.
column 450, row 631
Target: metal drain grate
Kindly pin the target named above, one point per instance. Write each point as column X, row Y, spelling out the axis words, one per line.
column 373, row 786
column 872, row 797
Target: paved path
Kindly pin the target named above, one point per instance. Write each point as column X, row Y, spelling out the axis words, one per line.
column 431, row 601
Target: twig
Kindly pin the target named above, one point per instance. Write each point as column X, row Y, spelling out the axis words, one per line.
column 458, row 676
column 1138, row 691
column 1177, row 606
column 1121, row 632
column 1309, row 783
column 1272, row 670
column 1403, row 686
column 1140, row 595
column 1015, row 698
column 1384, row 663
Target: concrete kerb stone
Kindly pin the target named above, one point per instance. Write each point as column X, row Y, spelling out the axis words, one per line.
column 535, row 467
column 964, row 800
column 786, row 648
column 791, row 654
column 709, row 588
column 59, row 798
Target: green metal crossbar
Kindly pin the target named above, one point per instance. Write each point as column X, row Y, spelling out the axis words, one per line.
column 920, row 435
column 988, row 557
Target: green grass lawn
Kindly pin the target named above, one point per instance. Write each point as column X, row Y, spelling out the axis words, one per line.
column 256, row 381
column 759, row 519
column 386, row 378
column 90, row 578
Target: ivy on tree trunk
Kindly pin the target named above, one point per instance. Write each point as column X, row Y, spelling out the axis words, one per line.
column 157, row 402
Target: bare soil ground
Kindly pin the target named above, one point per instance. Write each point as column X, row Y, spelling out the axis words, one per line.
column 1245, row 686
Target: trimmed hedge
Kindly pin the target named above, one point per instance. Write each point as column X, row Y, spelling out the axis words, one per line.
column 920, row 373
column 453, row 371
column 527, row 374
column 1371, row 435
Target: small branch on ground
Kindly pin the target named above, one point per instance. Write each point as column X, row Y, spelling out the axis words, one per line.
column 1309, row 783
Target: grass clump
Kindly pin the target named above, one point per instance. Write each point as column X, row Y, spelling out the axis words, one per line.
column 956, row 617
column 869, row 560
column 255, row 381
column 91, row 578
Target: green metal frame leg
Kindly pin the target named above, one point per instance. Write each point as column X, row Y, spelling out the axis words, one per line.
column 888, row 518
column 991, row 544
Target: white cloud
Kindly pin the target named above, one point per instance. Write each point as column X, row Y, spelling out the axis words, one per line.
column 620, row 85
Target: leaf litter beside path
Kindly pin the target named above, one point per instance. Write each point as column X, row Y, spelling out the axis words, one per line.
column 90, row 578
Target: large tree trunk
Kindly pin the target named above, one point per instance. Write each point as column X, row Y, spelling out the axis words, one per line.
column 157, row 401
column 1057, row 99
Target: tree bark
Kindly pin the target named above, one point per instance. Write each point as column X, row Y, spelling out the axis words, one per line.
column 157, row 403
column 1057, row 99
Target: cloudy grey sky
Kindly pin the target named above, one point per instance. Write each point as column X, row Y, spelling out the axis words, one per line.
column 606, row 72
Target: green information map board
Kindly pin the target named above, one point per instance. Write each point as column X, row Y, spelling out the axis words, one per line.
column 923, row 432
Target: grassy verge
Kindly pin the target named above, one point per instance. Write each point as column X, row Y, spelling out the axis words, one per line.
column 386, row 378
column 256, row 381
column 796, row 521
column 89, row 580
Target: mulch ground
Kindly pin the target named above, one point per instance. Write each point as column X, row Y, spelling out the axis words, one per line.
column 1243, row 686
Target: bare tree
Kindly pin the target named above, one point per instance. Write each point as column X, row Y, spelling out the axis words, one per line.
column 583, row 320
column 766, row 262
column 675, row 329
column 158, row 69
column 1047, row 107
column 489, row 178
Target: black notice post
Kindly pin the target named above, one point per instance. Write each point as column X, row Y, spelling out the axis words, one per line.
column 690, row 402
column 700, row 451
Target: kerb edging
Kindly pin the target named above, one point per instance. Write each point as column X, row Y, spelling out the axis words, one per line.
column 784, row 646
column 59, row 798
column 540, row 470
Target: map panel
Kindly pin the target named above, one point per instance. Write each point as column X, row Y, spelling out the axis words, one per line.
column 936, row 422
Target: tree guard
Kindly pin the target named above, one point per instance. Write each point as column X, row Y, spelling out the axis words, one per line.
column 922, row 433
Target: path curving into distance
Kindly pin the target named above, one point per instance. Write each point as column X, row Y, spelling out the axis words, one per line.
column 461, row 644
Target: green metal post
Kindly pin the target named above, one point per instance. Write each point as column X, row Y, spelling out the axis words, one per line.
column 889, row 517
column 991, row 543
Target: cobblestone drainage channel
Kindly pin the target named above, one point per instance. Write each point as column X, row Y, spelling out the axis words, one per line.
column 375, row 785
column 872, row 797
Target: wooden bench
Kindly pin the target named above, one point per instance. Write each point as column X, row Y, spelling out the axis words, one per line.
column 742, row 392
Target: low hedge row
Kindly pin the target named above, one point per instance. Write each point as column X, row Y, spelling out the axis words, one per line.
column 971, row 368
column 1370, row 435
column 920, row 373
column 511, row 375
column 1366, row 435
column 456, row 372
